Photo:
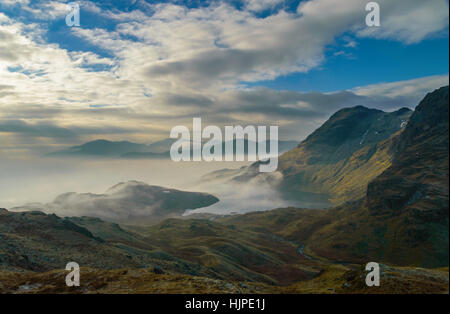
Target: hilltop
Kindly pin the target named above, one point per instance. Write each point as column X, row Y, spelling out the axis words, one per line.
column 126, row 202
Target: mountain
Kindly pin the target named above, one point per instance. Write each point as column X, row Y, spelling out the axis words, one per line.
column 156, row 150
column 102, row 148
column 344, row 154
column 145, row 155
column 212, row 257
column 162, row 147
column 400, row 222
column 161, row 150
column 230, row 252
column 129, row 150
column 415, row 189
column 131, row 202
column 337, row 161
column 418, row 176
column 403, row 219
column 111, row 149
column 36, row 241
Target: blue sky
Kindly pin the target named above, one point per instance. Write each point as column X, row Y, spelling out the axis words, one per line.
column 370, row 62
column 135, row 68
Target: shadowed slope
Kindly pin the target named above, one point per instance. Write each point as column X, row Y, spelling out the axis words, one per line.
column 403, row 220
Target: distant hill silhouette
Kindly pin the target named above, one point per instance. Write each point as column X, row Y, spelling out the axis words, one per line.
column 130, row 150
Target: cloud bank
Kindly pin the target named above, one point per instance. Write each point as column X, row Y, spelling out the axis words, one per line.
column 161, row 64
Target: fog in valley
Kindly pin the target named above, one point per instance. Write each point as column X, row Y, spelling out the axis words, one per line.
column 41, row 180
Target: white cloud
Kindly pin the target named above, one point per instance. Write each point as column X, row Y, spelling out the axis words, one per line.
column 414, row 89
column 220, row 45
column 261, row 5
column 191, row 61
column 15, row 2
column 410, row 21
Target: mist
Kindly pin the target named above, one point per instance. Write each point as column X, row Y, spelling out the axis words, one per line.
column 235, row 197
column 41, row 180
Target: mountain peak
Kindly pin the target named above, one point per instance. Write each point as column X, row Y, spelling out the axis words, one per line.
column 358, row 126
column 355, row 109
column 99, row 141
column 402, row 110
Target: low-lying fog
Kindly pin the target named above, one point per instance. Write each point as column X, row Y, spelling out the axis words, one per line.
column 41, row 180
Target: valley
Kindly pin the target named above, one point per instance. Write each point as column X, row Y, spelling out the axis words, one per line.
column 392, row 196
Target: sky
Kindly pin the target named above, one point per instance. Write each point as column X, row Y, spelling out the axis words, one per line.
column 133, row 69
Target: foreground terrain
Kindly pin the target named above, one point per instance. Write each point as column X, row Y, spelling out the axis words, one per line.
column 334, row 279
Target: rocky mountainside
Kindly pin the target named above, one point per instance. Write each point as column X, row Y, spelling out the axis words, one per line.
column 184, row 256
column 402, row 220
column 344, row 154
column 34, row 241
column 415, row 189
column 337, row 161
column 418, row 177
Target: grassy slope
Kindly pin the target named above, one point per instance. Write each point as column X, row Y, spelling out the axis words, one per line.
column 343, row 155
column 230, row 252
column 334, row 279
column 39, row 242
column 337, row 161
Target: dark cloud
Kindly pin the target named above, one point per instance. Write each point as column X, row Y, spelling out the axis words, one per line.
column 185, row 100
column 298, row 106
column 227, row 64
column 35, row 130
column 210, row 64
column 6, row 87
column 50, row 130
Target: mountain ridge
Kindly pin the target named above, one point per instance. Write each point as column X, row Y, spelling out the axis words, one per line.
column 128, row 150
column 392, row 223
column 338, row 160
